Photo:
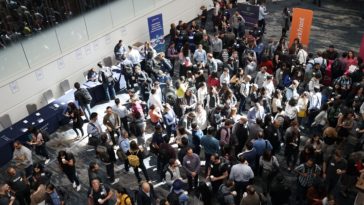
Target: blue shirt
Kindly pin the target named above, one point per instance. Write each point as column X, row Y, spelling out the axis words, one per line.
column 124, row 144
column 200, row 56
column 210, row 144
column 260, row 145
column 55, row 198
column 250, row 156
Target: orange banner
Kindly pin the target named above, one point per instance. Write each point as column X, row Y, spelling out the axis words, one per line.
column 301, row 26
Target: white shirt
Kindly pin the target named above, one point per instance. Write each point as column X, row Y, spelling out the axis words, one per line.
column 261, row 77
column 315, row 101
column 121, row 110
column 269, row 87
column 134, row 56
column 155, row 100
column 262, row 12
column 201, row 94
column 302, row 56
column 224, row 78
column 291, row 112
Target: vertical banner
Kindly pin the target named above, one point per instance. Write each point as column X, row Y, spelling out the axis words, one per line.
column 156, row 34
column 301, row 26
column 361, row 50
column 250, row 13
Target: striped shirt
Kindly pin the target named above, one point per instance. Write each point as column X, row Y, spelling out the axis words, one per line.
column 307, row 181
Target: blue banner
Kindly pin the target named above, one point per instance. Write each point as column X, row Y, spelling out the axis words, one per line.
column 156, row 34
column 250, row 13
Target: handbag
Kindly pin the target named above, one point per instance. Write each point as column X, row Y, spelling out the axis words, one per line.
column 301, row 113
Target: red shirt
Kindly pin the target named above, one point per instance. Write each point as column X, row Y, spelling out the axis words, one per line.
column 269, row 65
column 213, row 82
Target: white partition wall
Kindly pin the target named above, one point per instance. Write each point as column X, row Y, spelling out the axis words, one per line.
column 64, row 52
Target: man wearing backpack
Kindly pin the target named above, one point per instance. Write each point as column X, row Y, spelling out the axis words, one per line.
column 83, row 97
column 107, row 155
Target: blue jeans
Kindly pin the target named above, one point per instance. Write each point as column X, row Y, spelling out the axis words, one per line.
column 242, row 104
column 109, row 89
column 86, row 108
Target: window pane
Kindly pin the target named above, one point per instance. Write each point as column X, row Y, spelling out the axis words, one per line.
column 141, row 6
column 121, row 10
column 42, row 47
column 72, row 33
column 12, row 61
column 98, row 21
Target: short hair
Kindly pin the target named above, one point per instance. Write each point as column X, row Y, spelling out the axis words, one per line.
column 172, row 161
column 108, row 107
column 117, row 101
column 210, row 130
column 93, row 115
column 77, row 85
column 194, row 125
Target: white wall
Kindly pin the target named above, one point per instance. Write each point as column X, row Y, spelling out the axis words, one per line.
column 75, row 62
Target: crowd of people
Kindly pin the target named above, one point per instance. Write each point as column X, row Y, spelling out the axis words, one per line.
column 245, row 112
column 23, row 18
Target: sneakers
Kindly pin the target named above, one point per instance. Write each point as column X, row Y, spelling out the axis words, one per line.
column 74, row 185
column 78, row 187
column 115, row 181
column 47, row 161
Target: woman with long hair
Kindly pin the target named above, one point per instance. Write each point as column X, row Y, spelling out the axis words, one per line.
column 74, row 114
column 67, row 164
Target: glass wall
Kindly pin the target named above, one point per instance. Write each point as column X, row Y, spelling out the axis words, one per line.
column 33, row 32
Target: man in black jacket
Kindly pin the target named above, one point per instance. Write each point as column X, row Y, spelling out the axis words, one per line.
column 108, row 157
column 146, row 195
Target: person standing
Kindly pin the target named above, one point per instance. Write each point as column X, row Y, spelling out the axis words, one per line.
column 108, row 81
column 23, row 158
column 74, row 114
column 19, row 185
column 124, row 145
column 38, row 141
column 146, row 195
column 94, row 130
column 307, row 173
column 217, row 172
column 122, row 112
column 67, row 163
column 211, row 146
column 262, row 13
column 135, row 159
column 241, row 174
column 83, row 97
column 107, row 156
column 5, row 195
column 112, row 122
column 99, row 193
column 333, row 168
column 191, row 163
